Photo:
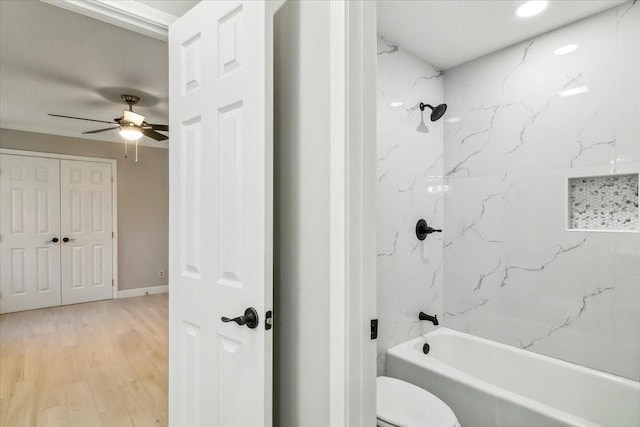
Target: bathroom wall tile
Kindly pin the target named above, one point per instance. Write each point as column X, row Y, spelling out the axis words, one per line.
column 454, row 90
column 626, row 306
column 566, row 132
column 410, row 187
column 534, row 74
column 587, row 338
column 473, row 92
column 524, row 124
column 506, row 267
column 409, row 270
column 472, row 148
column 513, row 272
column 404, row 79
column 481, row 83
column 526, row 279
column 627, row 80
column 552, row 277
column 473, row 252
column 420, row 154
column 472, row 235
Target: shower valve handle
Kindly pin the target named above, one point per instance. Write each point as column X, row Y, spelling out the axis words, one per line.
column 423, row 229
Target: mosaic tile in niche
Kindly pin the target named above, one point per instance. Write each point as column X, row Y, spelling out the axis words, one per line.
column 604, row 202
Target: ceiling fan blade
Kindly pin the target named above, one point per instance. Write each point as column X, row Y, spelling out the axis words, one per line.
column 100, row 130
column 82, row 118
column 163, row 128
column 155, row 135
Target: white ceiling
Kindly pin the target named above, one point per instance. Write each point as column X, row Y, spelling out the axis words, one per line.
column 447, row 33
column 56, row 61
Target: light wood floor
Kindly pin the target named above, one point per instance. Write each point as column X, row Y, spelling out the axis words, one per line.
column 89, row 365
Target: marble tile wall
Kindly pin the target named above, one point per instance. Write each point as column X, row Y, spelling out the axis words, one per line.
column 512, row 271
column 410, row 187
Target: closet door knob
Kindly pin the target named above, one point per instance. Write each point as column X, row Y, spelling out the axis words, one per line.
column 66, row 239
column 54, row 240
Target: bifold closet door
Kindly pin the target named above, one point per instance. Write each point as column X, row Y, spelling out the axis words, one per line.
column 86, row 231
column 29, row 227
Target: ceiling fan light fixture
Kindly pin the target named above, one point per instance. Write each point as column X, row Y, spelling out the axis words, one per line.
column 130, row 132
column 131, row 117
column 131, row 126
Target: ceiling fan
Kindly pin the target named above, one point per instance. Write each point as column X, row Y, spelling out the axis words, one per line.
column 131, row 125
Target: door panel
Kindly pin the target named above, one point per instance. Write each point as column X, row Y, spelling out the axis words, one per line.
column 86, row 210
column 30, row 218
column 220, row 215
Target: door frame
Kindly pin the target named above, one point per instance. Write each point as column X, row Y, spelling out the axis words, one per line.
column 114, row 197
column 353, row 285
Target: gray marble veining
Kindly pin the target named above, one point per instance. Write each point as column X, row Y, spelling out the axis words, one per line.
column 410, row 186
column 568, row 320
column 526, row 121
column 506, row 267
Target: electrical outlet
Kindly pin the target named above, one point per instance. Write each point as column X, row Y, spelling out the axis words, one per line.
column 161, row 273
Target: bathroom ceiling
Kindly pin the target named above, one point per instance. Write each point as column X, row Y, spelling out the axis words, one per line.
column 56, row 61
column 447, row 33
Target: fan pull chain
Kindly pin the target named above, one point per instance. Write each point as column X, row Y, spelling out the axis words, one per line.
column 126, row 145
column 136, row 151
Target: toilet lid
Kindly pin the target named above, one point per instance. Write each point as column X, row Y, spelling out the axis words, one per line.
column 406, row 405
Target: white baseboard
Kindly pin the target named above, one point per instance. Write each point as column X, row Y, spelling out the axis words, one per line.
column 138, row 292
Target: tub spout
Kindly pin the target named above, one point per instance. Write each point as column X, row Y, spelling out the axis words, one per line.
column 432, row 319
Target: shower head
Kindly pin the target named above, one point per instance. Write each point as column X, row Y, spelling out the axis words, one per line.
column 436, row 112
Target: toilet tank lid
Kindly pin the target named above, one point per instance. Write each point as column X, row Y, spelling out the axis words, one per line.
column 403, row 404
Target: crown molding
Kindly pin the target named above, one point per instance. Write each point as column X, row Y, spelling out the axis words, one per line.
column 127, row 14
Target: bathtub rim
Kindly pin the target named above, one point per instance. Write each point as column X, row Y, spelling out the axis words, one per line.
column 409, row 353
column 443, row 330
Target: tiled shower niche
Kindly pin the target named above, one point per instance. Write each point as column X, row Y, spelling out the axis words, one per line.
column 604, row 203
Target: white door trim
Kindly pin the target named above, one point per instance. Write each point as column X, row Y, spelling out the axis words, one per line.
column 352, row 370
column 114, row 196
column 338, row 346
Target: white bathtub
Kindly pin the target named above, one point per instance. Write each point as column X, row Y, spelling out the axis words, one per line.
column 491, row 384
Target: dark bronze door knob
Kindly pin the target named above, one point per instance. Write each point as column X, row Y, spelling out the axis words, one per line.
column 250, row 318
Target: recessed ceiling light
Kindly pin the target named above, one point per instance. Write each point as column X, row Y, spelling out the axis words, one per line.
column 396, row 104
column 566, row 49
column 575, row 91
column 452, row 120
column 531, row 8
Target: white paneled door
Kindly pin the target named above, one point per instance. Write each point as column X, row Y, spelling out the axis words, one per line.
column 220, row 341
column 86, row 231
column 56, row 240
column 29, row 233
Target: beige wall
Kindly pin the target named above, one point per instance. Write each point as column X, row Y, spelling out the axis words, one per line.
column 143, row 201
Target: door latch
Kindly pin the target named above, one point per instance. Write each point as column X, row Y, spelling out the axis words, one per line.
column 268, row 320
column 374, row 329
